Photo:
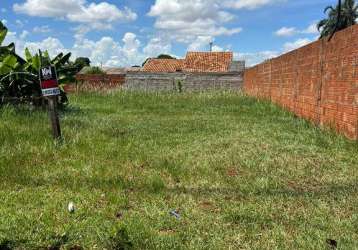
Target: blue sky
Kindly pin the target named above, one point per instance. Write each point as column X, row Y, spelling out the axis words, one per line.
column 125, row 32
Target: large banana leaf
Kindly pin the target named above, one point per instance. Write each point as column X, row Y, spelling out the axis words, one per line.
column 57, row 58
column 8, row 64
column 10, row 50
column 61, row 59
column 6, row 50
column 45, row 58
column 36, row 63
column 28, row 55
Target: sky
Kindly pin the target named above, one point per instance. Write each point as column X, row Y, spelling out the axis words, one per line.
column 116, row 33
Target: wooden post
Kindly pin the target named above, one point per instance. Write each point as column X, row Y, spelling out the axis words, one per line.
column 53, row 114
column 50, row 90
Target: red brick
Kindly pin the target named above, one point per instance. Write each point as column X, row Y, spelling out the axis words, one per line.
column 296, row 82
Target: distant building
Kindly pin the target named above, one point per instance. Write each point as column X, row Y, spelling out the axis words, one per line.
column 164, row 65
column 196, row 62
column 197, row 71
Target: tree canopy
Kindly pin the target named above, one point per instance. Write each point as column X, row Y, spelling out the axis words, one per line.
column 161, row 56
column 82, row 62
column 339, row 17
column 165, row 56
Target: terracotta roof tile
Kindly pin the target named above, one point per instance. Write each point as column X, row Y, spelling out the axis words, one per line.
column 194, row 62
column 208, row 61
column 164, row 65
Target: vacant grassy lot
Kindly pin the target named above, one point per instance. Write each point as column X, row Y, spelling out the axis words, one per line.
column 242, row 174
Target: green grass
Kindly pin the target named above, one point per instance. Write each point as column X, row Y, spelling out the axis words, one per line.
column 243, row 174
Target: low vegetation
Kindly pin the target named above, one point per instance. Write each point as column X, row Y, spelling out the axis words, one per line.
column 175, row 171
column 92, row 70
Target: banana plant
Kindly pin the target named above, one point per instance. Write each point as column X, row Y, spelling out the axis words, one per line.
column 8, row 64
column 19, row 77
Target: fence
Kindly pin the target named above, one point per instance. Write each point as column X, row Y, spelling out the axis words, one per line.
column 96, row 82
column 318, row 82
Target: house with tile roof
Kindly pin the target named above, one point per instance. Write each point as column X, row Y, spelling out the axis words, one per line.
column 208, row 62
column 196, row 62
column 197, row 71
column 164, row 65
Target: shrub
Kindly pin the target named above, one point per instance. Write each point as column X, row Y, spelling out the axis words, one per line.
column 94, row 70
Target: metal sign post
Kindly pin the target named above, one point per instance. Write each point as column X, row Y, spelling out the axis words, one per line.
column 50, row 90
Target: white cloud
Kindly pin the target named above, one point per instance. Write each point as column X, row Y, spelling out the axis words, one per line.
column 102, row 12
column 311, row 29
column 128, row 51
column 285, row 31
column 52, row 45
column 217, row 48
column 108, row 52
column 105, row 51
column 291, row 31
column 256, row 57
column 50, row 8
column 193, row 22
column 130, row 48
column 4, row 21
column 157, row 46
column 248, row 4
column 11, row 37
column 185, row 21
column 296, row 44
column 19, row 23
column 24, row 34
column 101, row 51
column 201, row 43
column 95, row 15
column 41, row 29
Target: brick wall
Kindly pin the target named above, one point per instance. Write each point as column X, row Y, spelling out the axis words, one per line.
column 96, row 82
column 318, row 82
column 190, row 81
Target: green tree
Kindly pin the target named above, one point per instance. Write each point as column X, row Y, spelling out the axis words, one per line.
column 82, row 62
column 339, row 17
column 165, row 56
column 161, row 56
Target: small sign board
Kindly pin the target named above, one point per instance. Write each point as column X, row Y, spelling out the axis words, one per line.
column 48, row 80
